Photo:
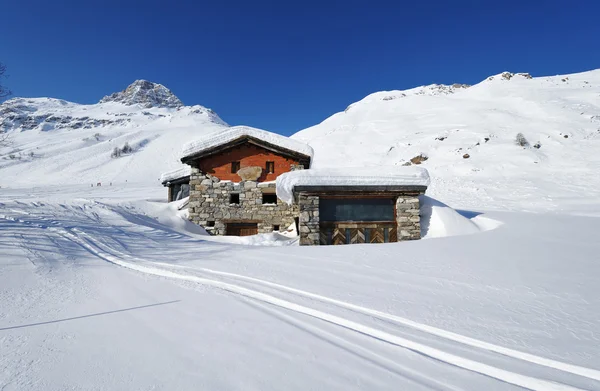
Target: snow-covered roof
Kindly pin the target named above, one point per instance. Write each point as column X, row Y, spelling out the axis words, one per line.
column 218, row 138
column 176, row 174
column 347, row 177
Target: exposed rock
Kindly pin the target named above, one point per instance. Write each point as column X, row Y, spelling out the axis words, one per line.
column 250, row 173
column 418, row 159
column 466, row 156
column 145, row 93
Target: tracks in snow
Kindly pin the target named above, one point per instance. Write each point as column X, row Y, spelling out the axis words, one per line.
column 108, row 253
column 517, row 379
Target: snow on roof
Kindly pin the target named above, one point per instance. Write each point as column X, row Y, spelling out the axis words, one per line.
column 220, row 137
column 359, row 176
column 178, row 173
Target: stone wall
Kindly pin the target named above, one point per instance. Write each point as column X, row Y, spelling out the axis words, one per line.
column 309, row 219
column 210, row 202
column 408, row 217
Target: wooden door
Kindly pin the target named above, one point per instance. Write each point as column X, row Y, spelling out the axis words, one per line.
column 242, row 229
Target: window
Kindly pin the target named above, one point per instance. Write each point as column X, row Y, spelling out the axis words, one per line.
column 270, row 167
column 276, row 227
column 356, row 209
column 234, row 198
column 235, row 167
column 269, row 198
column 210, row 223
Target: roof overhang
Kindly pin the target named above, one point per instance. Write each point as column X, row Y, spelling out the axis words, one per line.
column 357, row 190
column 177, row 181
column 250, row 140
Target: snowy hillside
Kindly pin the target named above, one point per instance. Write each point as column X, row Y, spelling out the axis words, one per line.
column 57, row 142
column 112, row 288
column 468, row 135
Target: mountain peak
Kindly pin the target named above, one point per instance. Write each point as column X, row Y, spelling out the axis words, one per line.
column 145, row 93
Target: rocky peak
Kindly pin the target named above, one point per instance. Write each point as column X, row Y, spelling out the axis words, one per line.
column 146, row 94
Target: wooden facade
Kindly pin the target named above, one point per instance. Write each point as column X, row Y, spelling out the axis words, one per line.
column 336, row 215
column 225, row 160
column 353, row 233
column 221, row 165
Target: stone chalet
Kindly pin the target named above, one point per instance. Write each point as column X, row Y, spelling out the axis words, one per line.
column 232, row 180
column 244, row 181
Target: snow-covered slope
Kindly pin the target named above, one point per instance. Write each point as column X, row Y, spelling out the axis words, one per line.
column 57, row 142
column 468, row 134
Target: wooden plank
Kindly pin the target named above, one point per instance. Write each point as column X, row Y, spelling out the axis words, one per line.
column 339, row 236
column 377, row 235
column 393, row 234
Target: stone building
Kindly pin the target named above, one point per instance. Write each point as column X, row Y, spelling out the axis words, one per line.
column 232, row 180
column 244, row 181
column 346, row 206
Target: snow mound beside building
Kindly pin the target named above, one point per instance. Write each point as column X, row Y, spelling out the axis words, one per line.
column 439, row 220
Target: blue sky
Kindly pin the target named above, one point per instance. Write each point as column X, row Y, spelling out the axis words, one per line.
column 282, row 65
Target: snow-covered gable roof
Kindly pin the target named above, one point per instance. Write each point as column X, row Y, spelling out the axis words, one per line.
column 364, row 177
column 174, row 175
column 216, row 139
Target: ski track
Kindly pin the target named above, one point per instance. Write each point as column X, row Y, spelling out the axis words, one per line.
column 565, row 367
column 109, row 254
column 528, row 382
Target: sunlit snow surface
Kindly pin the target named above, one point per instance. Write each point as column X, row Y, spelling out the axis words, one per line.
column 110, row 288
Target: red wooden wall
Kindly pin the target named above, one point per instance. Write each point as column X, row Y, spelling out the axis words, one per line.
column 248, row 155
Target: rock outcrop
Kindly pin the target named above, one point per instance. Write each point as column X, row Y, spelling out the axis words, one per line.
column 146, row 94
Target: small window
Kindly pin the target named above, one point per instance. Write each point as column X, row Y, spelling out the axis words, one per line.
column 234, row 198
column 235, row 167
column 270, row 167
column 269, row 199
column 210, row 223
column 276, row 227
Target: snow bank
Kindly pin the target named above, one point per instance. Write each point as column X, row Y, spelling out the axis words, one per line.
column 359, row 176
column 222, row 137
column 439, row 220
column 176, row 174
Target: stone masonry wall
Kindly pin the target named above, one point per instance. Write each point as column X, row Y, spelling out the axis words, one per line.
column 408, row 217
column 210, row 201
column 309, row 220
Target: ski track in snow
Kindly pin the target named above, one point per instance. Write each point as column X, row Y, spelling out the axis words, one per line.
column 110, row 254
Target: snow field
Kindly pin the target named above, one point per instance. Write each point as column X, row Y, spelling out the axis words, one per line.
column 445, row 313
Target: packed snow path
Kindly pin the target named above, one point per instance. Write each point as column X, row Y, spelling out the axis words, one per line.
column 96, row 295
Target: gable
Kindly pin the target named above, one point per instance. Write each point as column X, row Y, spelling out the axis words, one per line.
column 248, row 154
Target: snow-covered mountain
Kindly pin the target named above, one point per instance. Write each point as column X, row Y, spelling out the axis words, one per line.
column 145, row 93
column 468, row 134
column 465, row 135
column 53, row 141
